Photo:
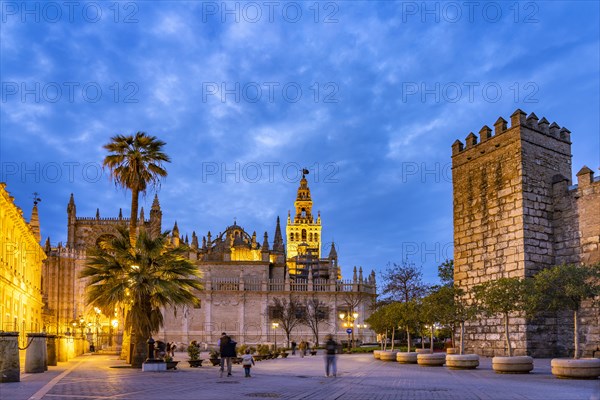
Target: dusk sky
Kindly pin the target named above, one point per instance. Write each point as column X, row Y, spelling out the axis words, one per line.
column 367, row 95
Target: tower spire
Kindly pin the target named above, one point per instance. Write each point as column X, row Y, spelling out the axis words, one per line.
column 278, row 239
column 302, row 228
column 34, row 222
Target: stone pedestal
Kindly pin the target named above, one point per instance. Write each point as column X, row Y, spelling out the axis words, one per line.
column 404, row 357
column 512, row 365
column 582, row 368
column 9, row 357
column 35, row 355
column 154, row 366
column 388, row 355
column 51, row 350
column 63, row 349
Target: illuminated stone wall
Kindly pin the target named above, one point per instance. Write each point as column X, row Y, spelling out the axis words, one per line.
column 515, row 213
column 21, row 258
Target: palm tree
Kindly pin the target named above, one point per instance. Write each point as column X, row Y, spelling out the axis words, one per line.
column 146, row 277
column 134, row 163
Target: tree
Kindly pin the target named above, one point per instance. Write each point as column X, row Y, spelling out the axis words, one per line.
column 380, row 322
column 446, row 273
column 315, row 312
column 460, row 312
column 288, row 313
column 147, row 277
column 436, row 308
column 403, row 282
column 503, row 296
column 565, row 287
column 134, row 163
column 352, row 302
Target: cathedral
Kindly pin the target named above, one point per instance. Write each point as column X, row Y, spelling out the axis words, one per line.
column 242, row 277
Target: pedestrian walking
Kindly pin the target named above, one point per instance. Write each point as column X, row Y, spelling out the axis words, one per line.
column 293, row 348
column 330, row 357
column 247, row 362
column 227, row 350
column 302, row 348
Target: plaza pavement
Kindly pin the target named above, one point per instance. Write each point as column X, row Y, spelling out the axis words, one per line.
column 360, row 376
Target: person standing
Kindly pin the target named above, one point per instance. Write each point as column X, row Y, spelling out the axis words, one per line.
column 302, row 348
column 247, row 362
column 330, row 357
column 227, row 350
column 293, row 347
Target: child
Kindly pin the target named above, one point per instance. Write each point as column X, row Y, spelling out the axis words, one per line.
column 247, row 362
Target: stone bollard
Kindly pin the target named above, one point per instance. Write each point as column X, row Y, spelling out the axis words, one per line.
column 45, row 349
column 63, row 349
column 35, row 355
column 51, row 350
column 10, row 367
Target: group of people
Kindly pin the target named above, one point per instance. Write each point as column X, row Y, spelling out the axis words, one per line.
column 227, row 348
column 303, row 347
column 228, row 351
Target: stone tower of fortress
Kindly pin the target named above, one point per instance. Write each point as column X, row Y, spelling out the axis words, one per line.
column 516, row 212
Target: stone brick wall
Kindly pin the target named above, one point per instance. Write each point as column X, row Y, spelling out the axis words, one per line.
column 515, row 213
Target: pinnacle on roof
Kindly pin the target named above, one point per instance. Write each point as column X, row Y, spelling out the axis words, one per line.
column 333, row 251
column 34, row 223
column 278, row 240
column 155, row 203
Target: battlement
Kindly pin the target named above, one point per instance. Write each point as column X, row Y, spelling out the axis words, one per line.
column 518, row 119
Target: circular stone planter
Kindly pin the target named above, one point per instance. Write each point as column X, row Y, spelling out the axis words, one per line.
column 431, row 359
column 451, row 350
column 404, row 357
column 582, row 368
column 462, row 361
column 388, row 355
column 423, row 351
column 512, row 365
column 377, row 353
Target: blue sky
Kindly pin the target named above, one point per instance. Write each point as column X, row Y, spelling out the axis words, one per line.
column 369, row 96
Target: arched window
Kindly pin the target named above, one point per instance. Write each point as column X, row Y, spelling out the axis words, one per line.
column 297, row 237
column 304, row 235
column 310, row 236
column 291, row 237
column 303, row 214
column 316, row 237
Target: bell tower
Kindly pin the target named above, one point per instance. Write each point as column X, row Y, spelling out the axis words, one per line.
column 303, row 229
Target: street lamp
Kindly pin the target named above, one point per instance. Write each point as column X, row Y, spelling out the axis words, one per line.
column 275, row 326
column 114, row 324
column 349, row 324
column 98, row 312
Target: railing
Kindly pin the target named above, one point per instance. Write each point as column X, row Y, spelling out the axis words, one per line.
column 225, row 284
column 298, row 285
column 276, row 285
column 253, row 285
column 321, row 285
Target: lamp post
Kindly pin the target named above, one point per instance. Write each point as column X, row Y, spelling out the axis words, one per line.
column 98, row 312
column 114, row 324
column 349, row 324
column 275, row 326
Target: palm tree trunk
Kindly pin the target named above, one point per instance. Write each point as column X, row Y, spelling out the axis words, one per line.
column 135, row 194
column 408, row 339
column 393, row 333
column 576, row 334
column 508, row 346
column 140, row 351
